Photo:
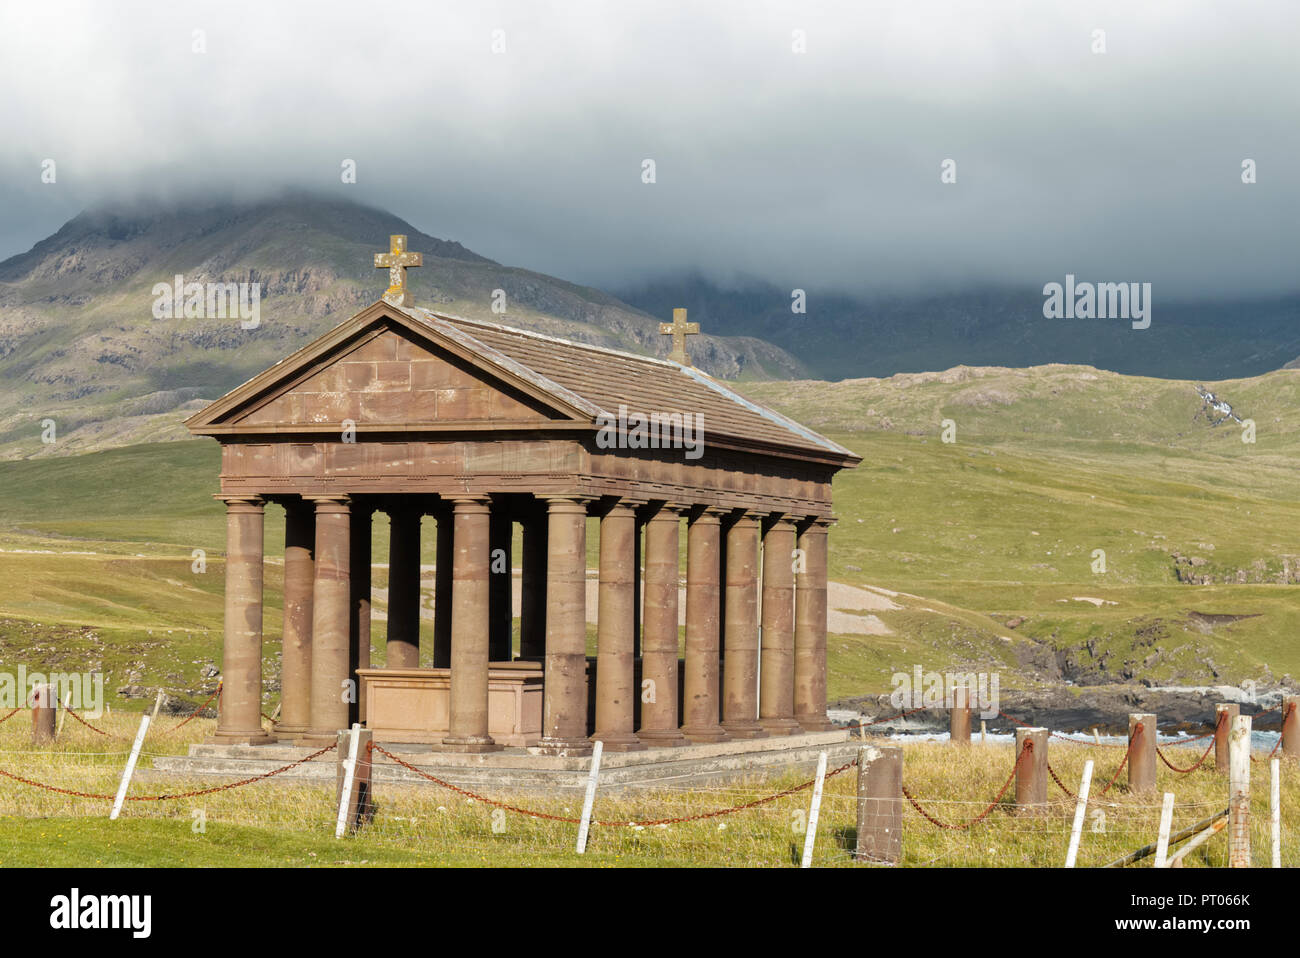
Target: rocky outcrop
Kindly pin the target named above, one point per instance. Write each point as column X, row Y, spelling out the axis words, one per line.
column 1105, row 708
column 1275, row 570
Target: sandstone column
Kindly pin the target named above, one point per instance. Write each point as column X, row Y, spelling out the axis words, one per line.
column 564, row 709
column 240, row 720
column 810, row 629
column 740, row 601
column 659, row 646
column 532, row 588
column 403, row 644
column 295, row 655
column 703, row 541
column 359, row 605
column 616, row 619
column 330, row 621
column 499, row 584
column 637, row 588
column 445, row 559
column 776, row 695
column 468, row 721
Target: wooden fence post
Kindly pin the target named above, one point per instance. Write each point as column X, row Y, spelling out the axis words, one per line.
column 589, row 799
column 1080, row 809
column 1224, row 713
column 1142, row 751
column 352, row 780
column 959, row 717
column 130, row 768
column 1275, row 811
column 1031, row 774
column 1291, row 726
column 1239, row 793
column 63, row 713
column 880, row 805
column 1198, row 837
column 814, row 812
column 44, row 705
column 1162, row 837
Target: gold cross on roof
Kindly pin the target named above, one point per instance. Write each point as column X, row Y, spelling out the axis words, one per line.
column 679, row 329
column 396, row 260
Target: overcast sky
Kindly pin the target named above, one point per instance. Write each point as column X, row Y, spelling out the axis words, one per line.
column 817, row 169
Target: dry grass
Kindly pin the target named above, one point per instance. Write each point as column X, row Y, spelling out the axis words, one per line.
column 282, row 822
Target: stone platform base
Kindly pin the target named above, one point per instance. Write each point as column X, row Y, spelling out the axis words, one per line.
column 518, row 770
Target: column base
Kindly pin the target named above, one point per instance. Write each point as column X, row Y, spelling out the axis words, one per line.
column 706, row 733
column 662, row 738
column 286, row 733
column 472, row 743
column 239, row 738
column 619, row 742
column 814, row 723
column 564, row 746
column 317, row 739
column 744, row 730
column 780, row 726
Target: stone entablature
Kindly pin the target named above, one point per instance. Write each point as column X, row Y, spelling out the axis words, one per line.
column 443, row 467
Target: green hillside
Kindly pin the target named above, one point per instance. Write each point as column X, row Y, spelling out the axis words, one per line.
column 988, row 541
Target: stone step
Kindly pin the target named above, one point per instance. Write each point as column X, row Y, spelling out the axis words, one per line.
column 686, row 767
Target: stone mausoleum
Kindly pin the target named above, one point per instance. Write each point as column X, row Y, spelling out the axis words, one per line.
column 495, row 432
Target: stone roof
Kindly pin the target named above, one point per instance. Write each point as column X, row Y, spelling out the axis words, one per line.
column 582, row 381
column 602, row 379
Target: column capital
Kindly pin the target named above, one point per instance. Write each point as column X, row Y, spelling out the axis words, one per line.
column 330, row 504
column 744, row 517
column 659, row 510
column 711, row 515
column 816, row 523
column 569, row 504
column 621, row 504
column 242, row 503
column 780, row 521
column 468, row 504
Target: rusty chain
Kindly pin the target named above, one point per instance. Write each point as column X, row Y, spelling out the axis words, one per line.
column 1060, row 784
column 1127, row 753
column 1278, row 744
column 620, row 824
column 1113, row 779
column 100, row 731
column 194, row 714
column 881, row 721
column 1028, row 747
column 168, row 797
column 963, row 826
column 126, row 738
column 1191, row 768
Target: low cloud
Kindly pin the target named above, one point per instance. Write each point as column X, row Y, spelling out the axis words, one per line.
column 818, row 169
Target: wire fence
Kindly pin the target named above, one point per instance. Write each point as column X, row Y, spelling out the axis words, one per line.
column 960, row 809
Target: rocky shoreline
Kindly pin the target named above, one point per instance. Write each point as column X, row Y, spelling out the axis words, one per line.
column 1105, row 708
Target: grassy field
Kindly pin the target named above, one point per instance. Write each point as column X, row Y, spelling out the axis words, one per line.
column 984, row 547
column 991, row 541
column 283, row 823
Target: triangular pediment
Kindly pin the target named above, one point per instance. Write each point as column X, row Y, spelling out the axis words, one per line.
column 379, row 372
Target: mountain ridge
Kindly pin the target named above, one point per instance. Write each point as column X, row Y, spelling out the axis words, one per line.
column 845, row 336
column 79, row 342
